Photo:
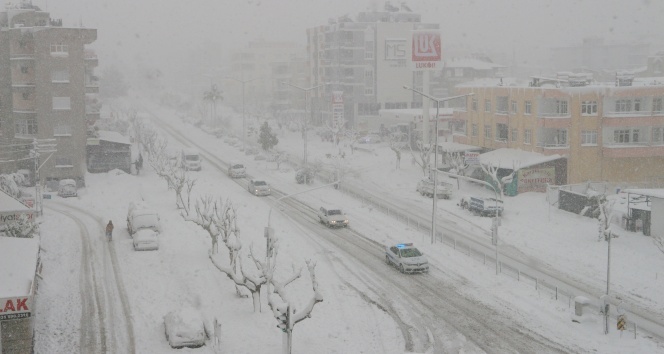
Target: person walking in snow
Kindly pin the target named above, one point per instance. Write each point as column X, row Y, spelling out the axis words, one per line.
column 109, row 230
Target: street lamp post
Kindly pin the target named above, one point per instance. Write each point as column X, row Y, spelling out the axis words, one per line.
column 435, row 154
column 304, row 135
column 244, row 122
column 496, row 219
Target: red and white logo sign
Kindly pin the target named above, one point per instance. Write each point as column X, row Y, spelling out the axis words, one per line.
column 337, row 97
column 14, row 308
column 426, row 50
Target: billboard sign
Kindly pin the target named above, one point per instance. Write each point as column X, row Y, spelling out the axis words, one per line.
column 395, row 49
column 14, row 308
column 471, row 158
column 426, row 52
column 535, row 179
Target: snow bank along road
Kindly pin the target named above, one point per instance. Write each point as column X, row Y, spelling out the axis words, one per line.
column 430, row 309
column 105, row 320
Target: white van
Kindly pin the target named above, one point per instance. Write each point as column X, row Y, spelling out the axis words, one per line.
column 191, row 160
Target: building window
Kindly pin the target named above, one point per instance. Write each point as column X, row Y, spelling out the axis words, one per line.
column 26, row 127
column 368, row 82
column 59, row 49
column 501, row 132
column 62, row 130
column 26, row 95
column 527, row 106
column 61, row 103
column 487, row 131
column 637, row 105
column 475, row 130
column 513, row 107
column 561, row 137
column 60, row 76
column 658, row 135
column 24, row 69
column 621, row 136
column 515, row 135
column 502, row 104
column 561, row 107
column 623, row 105
column 589, row 108
column 527, row 136
column 63, row 162
column 487, row 105
column 588, row 137
column 657, row 104
column 475, row 104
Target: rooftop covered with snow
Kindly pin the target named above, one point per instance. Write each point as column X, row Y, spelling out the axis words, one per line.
column 18, row 262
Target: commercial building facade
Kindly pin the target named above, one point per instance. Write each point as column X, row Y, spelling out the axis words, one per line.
column 608, row 132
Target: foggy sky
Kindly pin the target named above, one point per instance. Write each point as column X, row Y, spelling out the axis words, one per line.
column 155, row 30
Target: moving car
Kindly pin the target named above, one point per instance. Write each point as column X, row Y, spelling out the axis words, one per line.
column 185, row 328
column 67, row 188
column 259, row 187
column 191, row 160
column 425, row 187
column 237, row 170
column 370, row 139
column 484, row 206
column 145, row 240
column 332, row 217
column 407, row 258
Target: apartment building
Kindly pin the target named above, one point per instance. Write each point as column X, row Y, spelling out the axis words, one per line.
column 607, row 132
column 366, row 59
column 47, row 91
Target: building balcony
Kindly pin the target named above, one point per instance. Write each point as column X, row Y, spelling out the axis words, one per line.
column 553, row 115
column 631, row 114
column 632, row 150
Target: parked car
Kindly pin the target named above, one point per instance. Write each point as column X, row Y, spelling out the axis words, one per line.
column 443, row 190
column 305, row 175
column 67, row 188
column 259, row 187
column 407, row 258
column 145, row 240
column 191, row 160
column 370, row 139
column 237, row 170
column 140, row 216
column 185, row 328
column 483, row 206
column 332, row 217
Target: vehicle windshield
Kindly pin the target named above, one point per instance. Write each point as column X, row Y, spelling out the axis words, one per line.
column 410, row 252
column 191, row 157
column 334, row 212
column 237, row 165
column 259, row 183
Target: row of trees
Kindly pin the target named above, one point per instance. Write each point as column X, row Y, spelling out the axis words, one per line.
column 219, row 219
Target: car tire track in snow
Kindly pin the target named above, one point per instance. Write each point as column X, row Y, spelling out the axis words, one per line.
column 106, row 290
column 426, row 302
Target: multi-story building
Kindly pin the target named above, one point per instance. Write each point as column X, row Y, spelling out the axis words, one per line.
column 366, row 59
column 47, row 90
column 606, row 132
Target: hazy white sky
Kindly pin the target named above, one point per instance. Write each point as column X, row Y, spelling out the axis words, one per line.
column 175, row 29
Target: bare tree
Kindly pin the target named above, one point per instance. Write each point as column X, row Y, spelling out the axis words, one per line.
column 492, row 171
column 422, row 159
column 172, row 171
column 283, row 307
column 396, row 143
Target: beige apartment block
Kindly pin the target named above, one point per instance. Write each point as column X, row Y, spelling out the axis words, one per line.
column 47, row 93
column 610, row 132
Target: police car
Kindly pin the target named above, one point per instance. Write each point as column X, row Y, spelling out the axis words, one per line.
column 407, row 258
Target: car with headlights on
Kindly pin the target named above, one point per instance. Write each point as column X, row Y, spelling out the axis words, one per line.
column 259, row 188
column 332, row 217
column 407, row 258
column 237, row 170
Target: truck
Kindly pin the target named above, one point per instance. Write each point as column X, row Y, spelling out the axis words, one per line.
column 485, row 206
column 443, row 190
column 332, row 217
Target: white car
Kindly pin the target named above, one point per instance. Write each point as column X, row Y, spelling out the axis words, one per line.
column 332, row 217
column 407, row 258
column 191, row 159
column 259, row 187
column 145, row 240
column 237, row 170
column 185, row 328
column 140, row 218
column 67, row 188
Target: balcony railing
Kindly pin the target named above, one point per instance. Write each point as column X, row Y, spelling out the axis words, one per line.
column 553, row 115
column 631, row 114
column 552, row 145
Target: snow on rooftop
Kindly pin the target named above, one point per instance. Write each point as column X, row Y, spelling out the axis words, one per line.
column 508, row 158
column 449, row 146
column 18, row 262
column 657, row 193
column 113, row 137
column 472, row 63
